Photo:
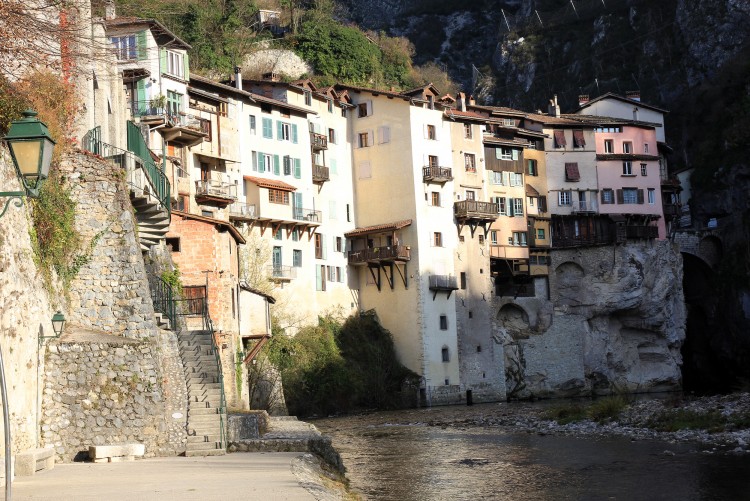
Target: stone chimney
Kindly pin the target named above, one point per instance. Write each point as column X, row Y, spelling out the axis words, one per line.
column 238, row 77
column 553, row 109
column 471, row 101
column 635, row 95
column 461, row 101
column 583, row 99
column 109, row 9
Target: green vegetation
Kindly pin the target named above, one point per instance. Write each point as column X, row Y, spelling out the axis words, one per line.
column 566, row 413
column 712, row 421
column 601, row 410
column 172, row 278
column 335, row 367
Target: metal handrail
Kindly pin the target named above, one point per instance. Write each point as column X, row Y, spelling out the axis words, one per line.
column 164, row 298
column 154, row 174
column 208, row 326
column 301, row 214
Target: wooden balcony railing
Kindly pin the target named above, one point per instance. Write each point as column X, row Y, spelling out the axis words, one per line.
column 385, row 253
column 471, row 209
column 318, row 141
column 320, row 174
column 581, row 241
column 436, row 174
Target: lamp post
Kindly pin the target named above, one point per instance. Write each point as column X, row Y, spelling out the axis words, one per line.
column 31, row 148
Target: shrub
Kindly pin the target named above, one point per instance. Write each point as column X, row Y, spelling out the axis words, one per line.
column 566, row 413
column 606, row 409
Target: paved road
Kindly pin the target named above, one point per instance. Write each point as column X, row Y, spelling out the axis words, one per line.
column 249, row 476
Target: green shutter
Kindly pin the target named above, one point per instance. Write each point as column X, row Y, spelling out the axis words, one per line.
column 297, row 168
column 279, row 130
column 142, row 44
column 268, row 128
column 187, row 67
column 294, row 133
column 276, row 169
column 162, row 60
column 261, row 165
column 140, row 91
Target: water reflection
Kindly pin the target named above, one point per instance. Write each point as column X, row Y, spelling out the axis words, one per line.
column 420, row 462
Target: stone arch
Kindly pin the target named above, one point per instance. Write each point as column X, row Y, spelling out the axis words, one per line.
column 568, row 276
column 710, row 250
column 514, row 320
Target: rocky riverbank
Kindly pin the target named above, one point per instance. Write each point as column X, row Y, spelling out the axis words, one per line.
column 720, row 423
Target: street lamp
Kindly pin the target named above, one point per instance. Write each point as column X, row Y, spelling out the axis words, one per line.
column 58, row 322
column 31, row 148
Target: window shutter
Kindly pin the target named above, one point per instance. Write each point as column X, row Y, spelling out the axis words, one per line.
column 141, row 93
column 294, row 133
column 505, row 177
column 498, row 153
column 297, row 168
column 318, row 279
column 601, row 195
column 543, row 204
column 620, row 198
column 324, row 246
column 640, row 196
column 369, row 108
column 142, row 49
column 279, row 130
column 559, row 198
column 261, row 160
column 334, row 167
column 515, row 154
column 370, row 137
column 268, row 128
column 511, row 209
column 186, row 65
column 276, row 166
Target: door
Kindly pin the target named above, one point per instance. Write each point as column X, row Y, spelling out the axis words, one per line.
column 276, row 260
column 297, row 206
column 582, row 201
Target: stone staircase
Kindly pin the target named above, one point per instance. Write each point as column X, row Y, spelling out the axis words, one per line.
column 205, row 416
column 152, row 218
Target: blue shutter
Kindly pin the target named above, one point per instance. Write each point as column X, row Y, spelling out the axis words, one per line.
column 294, row 133
column 268, row 128
column 276, row 168
column 261, row 165
column 279, row 130
column 334, row 167
column 297, row 168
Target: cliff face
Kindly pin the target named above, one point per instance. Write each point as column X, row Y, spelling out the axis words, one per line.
column 614, row 321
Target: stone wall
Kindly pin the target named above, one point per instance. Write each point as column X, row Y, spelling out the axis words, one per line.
column 111, row 292
column 107, row 390
column 615, row 321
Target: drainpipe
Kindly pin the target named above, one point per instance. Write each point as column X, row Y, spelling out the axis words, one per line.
column 6, row 424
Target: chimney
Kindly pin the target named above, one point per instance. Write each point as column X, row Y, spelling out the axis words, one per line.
column 272, row 77
column 461, row 101
column 471, row 101
column 109, row 9
column 553, row 109
column 635, row 95
column 238, row 77
column 583, row 99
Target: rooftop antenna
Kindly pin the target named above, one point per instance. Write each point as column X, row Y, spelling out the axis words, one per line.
column 540, row 19
column 596, row 81
column 636, row 81
column 574, row 9
column 506, row 19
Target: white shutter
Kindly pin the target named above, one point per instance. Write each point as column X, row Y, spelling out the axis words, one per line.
column 515, row 154
column 369, row 108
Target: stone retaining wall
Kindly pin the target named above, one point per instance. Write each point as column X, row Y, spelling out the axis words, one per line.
column 106, row 392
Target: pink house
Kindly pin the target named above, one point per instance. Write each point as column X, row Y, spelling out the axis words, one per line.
column 627, row 169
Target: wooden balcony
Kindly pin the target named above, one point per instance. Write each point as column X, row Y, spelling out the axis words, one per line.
column 242, row 212
column 278, row 273
column 376, row 255
column 318, row 141
column 186, row 130
column 443, row 283
column 434, row 174
column 585, row 206
column 215, row 192
column 471, row 209
column 320, row 174
column 672, row 210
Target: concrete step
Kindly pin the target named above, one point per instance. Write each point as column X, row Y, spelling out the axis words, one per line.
column 202, row 411
column 197, row 446
column 203, row 439
column 205, row 452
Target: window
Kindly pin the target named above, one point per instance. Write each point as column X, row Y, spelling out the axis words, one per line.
column 572, row 173
column 627, row 168
column 540, row 234
column 496, row 177
column 343, row 111
column 463, row 280
column 493, row 237
column 332, row 136
column 629, row 196
column 330, row 105
column 470, row 162
column 173, row 244
column 645, row 147
column 295, row 234
column 266, row 108
column 286, row 132
column 297, row 258
column 505, row 153
column 467, row 131
column 515, row 178
column 509, row 122
column 519, row 238
column 174, row 102
column 609, row 146
column 518, row 206
column 651, row 196
column 436, row 199
column 531, row 168
column 471, row 195
column 481, row 239
column 277, row 235
column 445, row 354
column 363, row 139
column 627, row 147
column 339, row 246
column 252, row 125
column 431, row 133
column 364, row 109
column 126, row 47
column 278, row 197
column 530, row 201
column 175, row 64
column 608, row 196
column 563, row 198
column 501, row 207
column 437, row 239
column 308, row 98
column 578, row 140
column 443, row 323
column 644, row 170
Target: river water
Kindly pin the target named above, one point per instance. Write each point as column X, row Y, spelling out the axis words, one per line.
column 405, row 455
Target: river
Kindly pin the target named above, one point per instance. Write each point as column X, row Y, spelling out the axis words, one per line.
column 410, row 455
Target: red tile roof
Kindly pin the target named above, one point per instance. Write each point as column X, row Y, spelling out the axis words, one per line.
column 378, row 228
column 270, row 183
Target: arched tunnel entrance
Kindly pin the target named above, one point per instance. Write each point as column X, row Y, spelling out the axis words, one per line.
column 703, row 370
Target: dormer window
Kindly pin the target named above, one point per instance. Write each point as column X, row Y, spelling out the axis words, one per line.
column 308, row 98
column 126, row 47
column 175, row 64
